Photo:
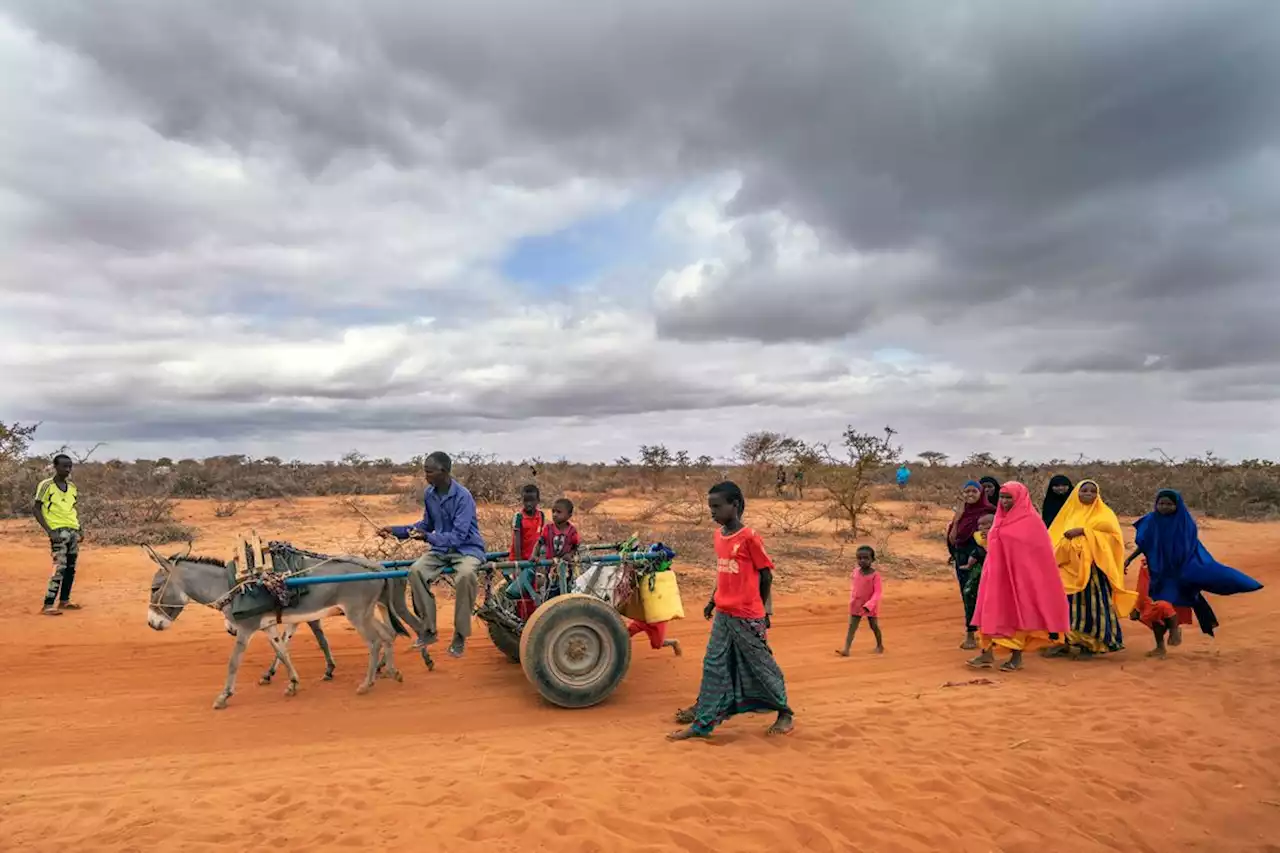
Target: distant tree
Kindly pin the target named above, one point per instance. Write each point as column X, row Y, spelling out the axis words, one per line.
column 853, row 468
column 682, row 459
column 934, row 459
column 354, row 459
column 703, row 462
column 761, row 451
column 655, row 459
column 623, row 462
column 15, row 442
column 981, row 460
column 806, row 456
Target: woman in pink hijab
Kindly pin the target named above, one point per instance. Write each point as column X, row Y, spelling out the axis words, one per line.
column 1021, row 599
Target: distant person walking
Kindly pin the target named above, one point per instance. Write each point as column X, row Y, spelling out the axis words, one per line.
column 903, row 476
column 1089, row 549
column 780, row 483
column 55, row 510
column 798, row 479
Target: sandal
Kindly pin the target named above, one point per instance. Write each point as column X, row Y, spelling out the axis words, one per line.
column 686, row 716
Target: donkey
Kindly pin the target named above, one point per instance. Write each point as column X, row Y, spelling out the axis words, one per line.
column 209, row 581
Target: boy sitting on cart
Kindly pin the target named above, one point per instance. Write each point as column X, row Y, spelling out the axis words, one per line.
column 558, row 541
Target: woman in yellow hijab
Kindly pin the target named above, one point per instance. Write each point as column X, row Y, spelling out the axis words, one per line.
column 1090, row 551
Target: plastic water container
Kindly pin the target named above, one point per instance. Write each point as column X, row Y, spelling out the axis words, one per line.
column 660, row 597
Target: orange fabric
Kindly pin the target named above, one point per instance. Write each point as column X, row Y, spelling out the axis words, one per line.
column 1152, row 613
column 655, row 631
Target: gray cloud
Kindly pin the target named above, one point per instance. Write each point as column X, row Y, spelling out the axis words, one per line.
column 1026, row 196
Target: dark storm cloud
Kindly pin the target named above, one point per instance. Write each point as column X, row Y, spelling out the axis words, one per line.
column 1021, row 146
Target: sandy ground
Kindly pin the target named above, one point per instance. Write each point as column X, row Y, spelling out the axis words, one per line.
column 108, row 740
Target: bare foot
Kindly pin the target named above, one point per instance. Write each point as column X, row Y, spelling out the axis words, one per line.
column 1158, row 652
column 844, row 653
column 969, row 643
column 879, row 650
column 1175, row 635
column 784, row 725
column 687, row 734
column 50, row 611
column 675, row 647
column 69, row 605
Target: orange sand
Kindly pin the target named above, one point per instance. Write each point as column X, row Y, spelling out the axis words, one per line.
column 108, row 741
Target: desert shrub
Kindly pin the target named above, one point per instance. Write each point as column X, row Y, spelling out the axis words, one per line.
column 132, row 520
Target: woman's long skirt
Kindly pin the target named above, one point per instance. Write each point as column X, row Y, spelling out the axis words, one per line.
column 1095, row 623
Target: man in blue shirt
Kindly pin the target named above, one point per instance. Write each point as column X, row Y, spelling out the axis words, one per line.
column 450, row 527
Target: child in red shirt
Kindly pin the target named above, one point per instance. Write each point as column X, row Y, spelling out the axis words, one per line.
column 526, row 527
column 560, row 538
column 739, row 673
column 864, row 599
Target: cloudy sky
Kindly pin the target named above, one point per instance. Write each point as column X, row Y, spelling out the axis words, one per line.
column 558, row 228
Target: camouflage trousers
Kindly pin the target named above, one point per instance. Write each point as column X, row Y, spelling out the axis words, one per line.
column 65, row 545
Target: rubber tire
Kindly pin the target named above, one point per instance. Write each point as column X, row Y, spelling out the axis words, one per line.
column 551, row 619
column 506, row 642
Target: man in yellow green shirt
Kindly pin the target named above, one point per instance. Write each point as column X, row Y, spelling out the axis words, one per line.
column 55, row 510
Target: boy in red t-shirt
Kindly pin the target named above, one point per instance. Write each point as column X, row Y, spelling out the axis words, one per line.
column 526, row 527
column 560, row 538
column 739, row 673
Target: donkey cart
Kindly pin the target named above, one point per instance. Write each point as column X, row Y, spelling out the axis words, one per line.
column 562, row 620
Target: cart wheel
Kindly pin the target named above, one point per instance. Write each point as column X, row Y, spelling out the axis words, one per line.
column 508, row 642
column 575, row 650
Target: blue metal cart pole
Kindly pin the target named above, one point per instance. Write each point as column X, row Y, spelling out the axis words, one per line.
column 397, row 568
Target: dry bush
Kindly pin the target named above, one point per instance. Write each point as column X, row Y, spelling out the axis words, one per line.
column 15, row 471
column 585, row 504
column 132, row 521
column 655, row 509
column 228, row 508
column 688, row 508
column 791, row 519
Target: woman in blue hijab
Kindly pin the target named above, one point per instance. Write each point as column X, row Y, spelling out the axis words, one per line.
column 1177, row 569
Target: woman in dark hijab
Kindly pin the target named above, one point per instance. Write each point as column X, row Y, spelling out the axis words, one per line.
column 960, row 541
column 1055, row 496
column 990, row 490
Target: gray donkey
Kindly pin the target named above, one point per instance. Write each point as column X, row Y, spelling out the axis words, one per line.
column 209, row 581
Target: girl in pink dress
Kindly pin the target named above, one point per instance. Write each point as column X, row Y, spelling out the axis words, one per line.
column 864, row 600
